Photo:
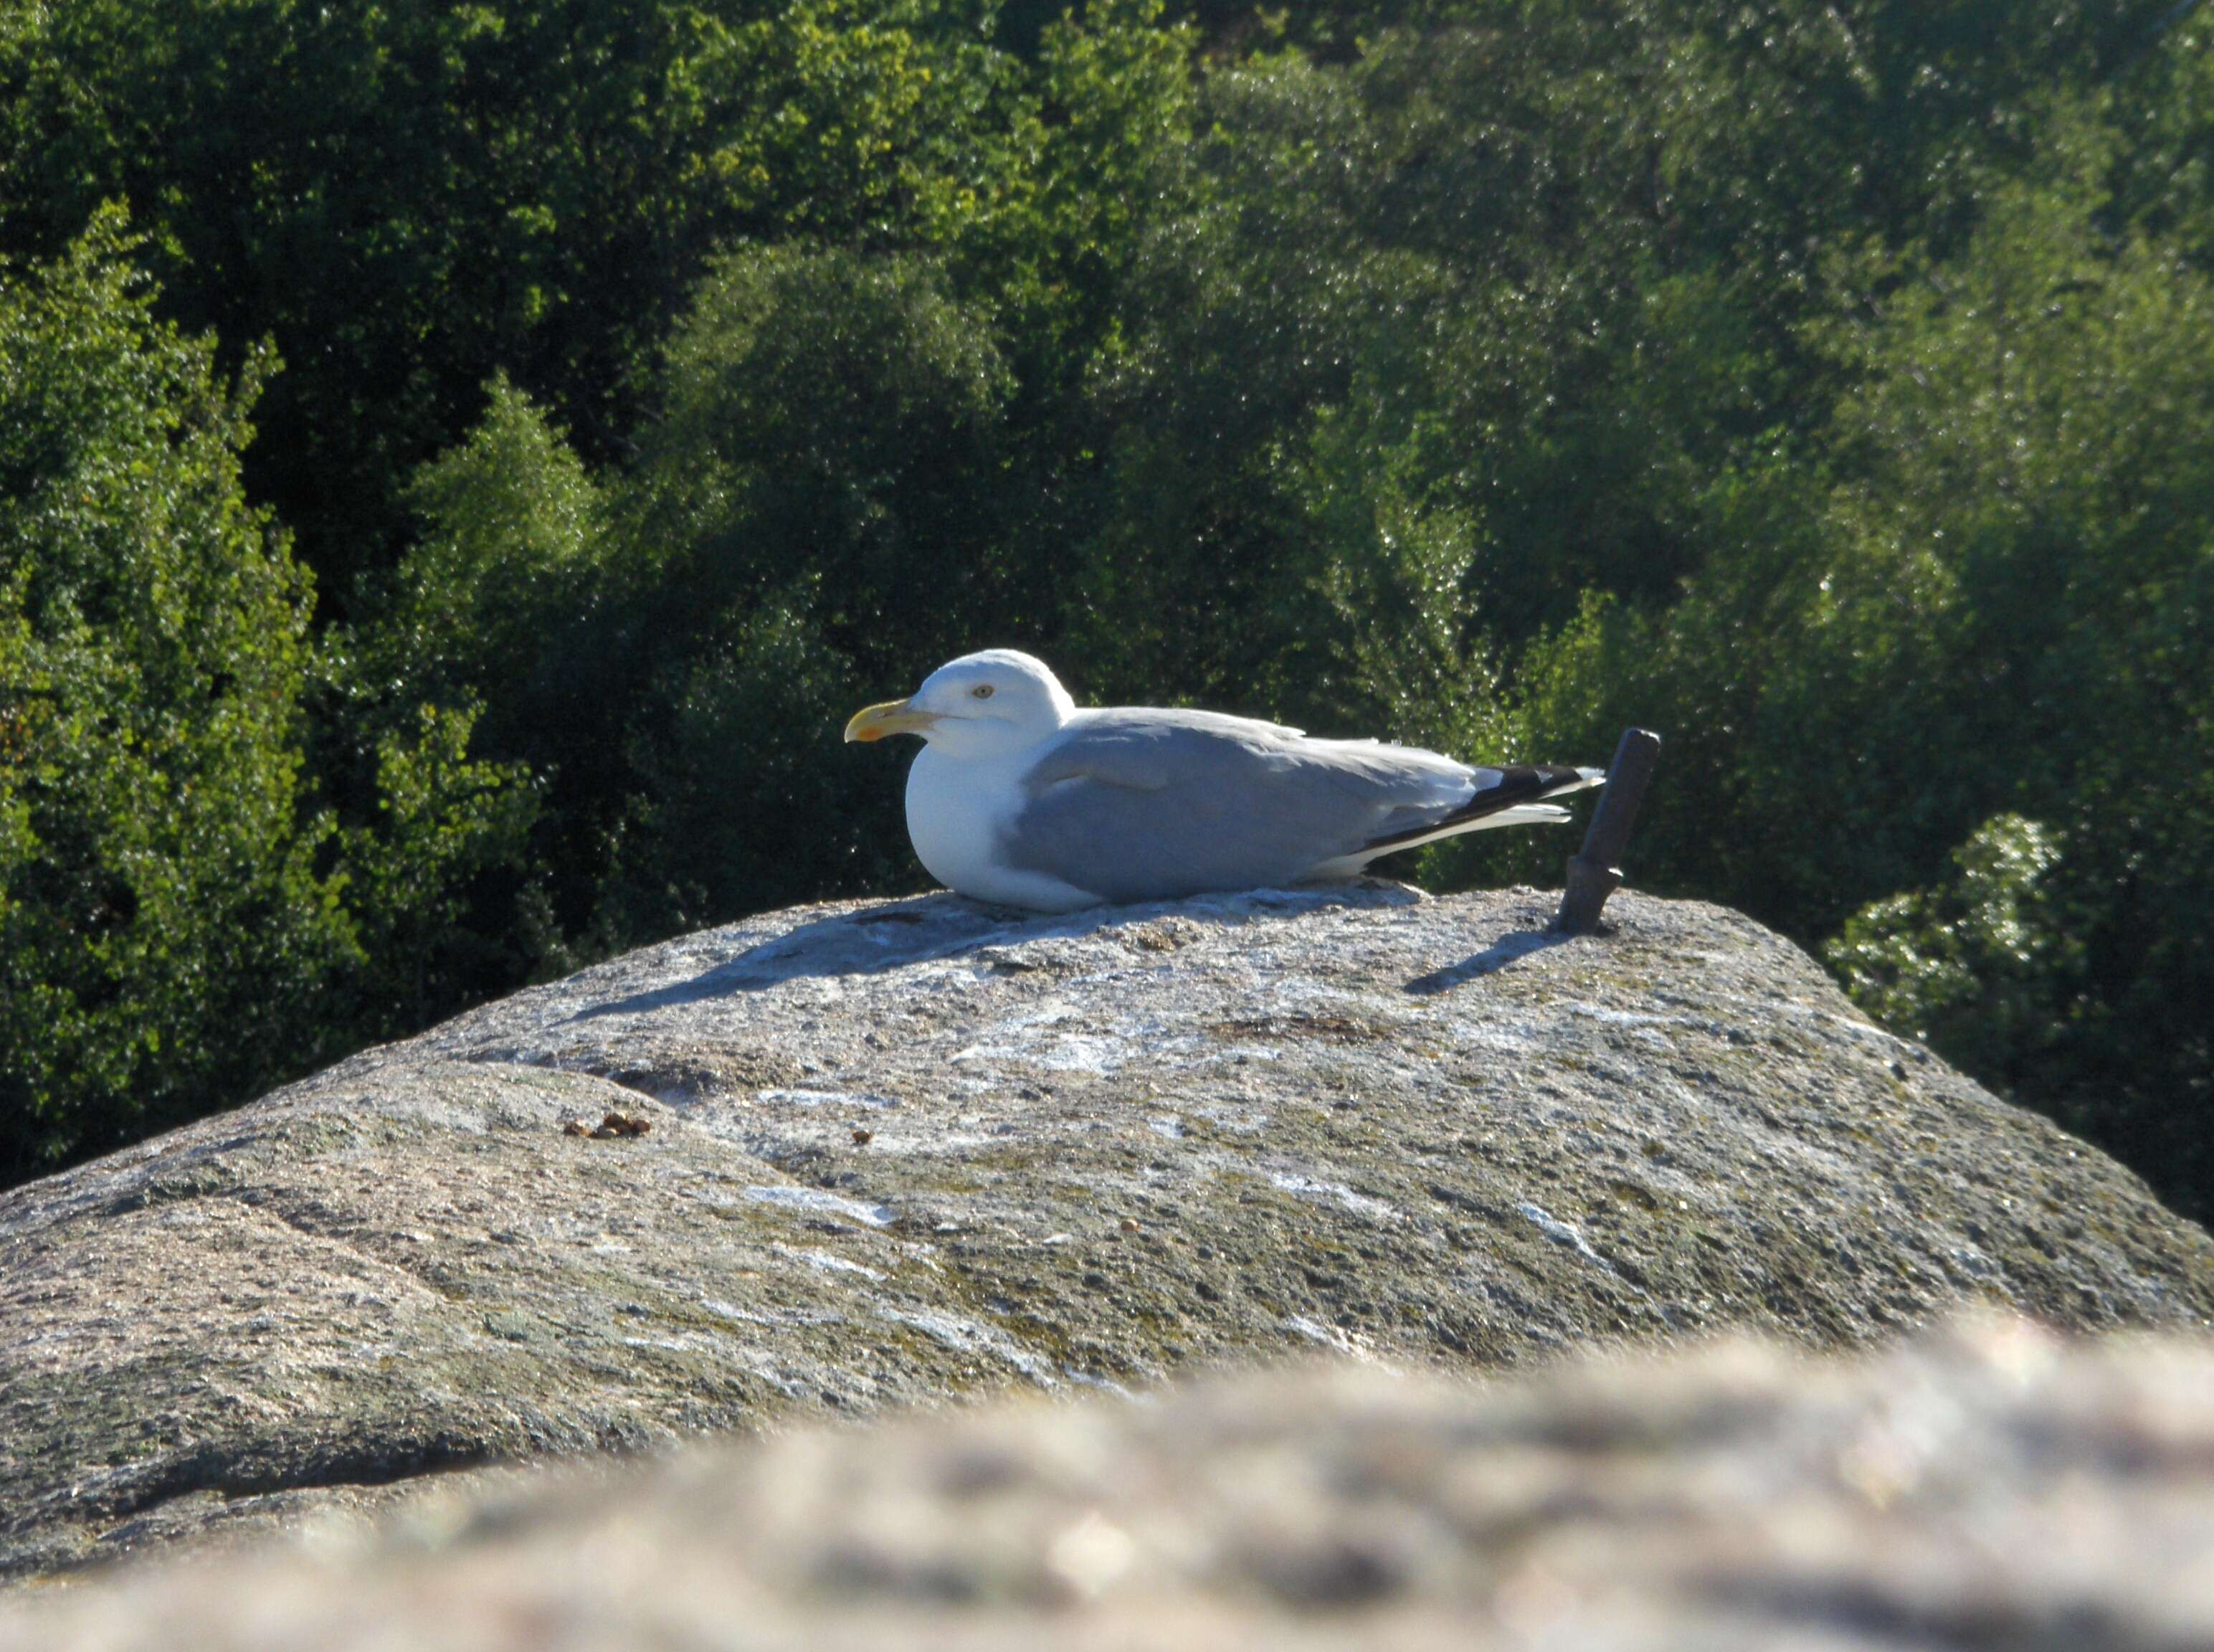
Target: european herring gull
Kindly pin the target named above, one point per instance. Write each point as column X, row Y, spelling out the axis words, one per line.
column 1022, row 798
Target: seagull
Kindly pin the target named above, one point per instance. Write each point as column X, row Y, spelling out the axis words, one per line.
column 1022, row 798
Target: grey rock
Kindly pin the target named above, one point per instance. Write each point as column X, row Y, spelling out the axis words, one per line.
column 1991, row 1486
column 1099, row 1149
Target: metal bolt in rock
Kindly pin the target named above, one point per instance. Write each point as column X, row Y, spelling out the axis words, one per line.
column 1596, row 872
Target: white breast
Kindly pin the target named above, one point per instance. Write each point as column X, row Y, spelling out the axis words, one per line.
column 956, row 810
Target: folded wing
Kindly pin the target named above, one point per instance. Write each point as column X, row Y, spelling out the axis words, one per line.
column 1138, row 805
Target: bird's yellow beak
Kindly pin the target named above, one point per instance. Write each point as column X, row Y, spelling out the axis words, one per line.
column 893, row 717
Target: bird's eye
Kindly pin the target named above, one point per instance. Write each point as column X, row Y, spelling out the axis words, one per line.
column 983, row 691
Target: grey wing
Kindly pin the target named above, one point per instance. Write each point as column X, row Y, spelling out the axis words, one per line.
column 1158, row 805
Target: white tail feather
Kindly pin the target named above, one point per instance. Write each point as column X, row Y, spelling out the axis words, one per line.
column 1523, row 814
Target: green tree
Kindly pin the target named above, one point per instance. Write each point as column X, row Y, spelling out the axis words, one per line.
column 179, row 921
column 410, row 197
column 1822, row 381
column 1980, row 964
column 1990, row 597
column 822, row 506
column 163, row 926
column 837, row 416
column 511, row 552
column 506, row 630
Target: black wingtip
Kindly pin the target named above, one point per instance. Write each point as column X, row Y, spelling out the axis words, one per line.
column 1534, row 783
column 1519, row 784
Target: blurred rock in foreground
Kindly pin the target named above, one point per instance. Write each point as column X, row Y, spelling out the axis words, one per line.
column 1986, row 1487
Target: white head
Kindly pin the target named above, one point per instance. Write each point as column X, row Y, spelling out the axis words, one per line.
column 999, row 698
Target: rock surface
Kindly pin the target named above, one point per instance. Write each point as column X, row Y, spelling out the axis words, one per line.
column 907, row 1152
column 1989, row 1488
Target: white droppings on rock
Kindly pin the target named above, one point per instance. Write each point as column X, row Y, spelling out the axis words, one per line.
column 1313, row 1187
column 1509, row 1037
column 668, row 1344
column 967, row 1337
column 1241, row 1054
column 1092, row 1380
column 827, row 1263
column 817, row 1202
column 1016, row 1039
column 1561, row 1233
column 1631, row 1017
column 1333, row 1338
column 770, row 1316
column 838, row 1099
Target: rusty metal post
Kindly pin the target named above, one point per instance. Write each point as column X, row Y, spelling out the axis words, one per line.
column 1597, row 873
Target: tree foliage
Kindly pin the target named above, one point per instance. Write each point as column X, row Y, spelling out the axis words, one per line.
column 410, row 197
column 160, row 912
column 1987, row 595
column 178, row 920
column 1821, row 381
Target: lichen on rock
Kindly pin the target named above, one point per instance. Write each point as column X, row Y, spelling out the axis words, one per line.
column 902, row 1152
